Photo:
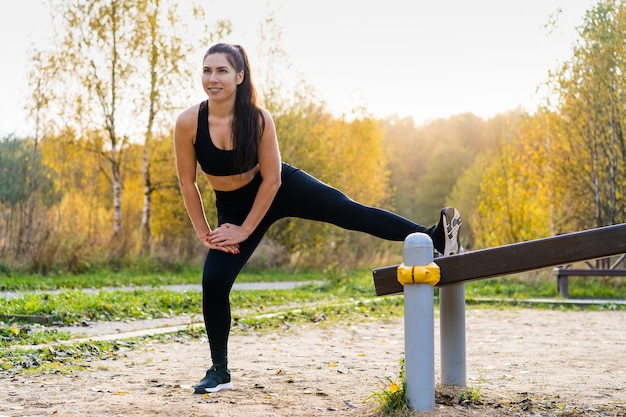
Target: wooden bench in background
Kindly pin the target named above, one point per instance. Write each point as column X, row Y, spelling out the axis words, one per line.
column 602, row 267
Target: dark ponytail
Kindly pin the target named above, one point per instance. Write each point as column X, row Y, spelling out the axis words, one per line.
column 248, row 124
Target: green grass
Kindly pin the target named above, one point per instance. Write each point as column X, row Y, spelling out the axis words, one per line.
column 70, row 306
column 543, row 285
column 75, row 306
column 30, row 335
column 392, row 399
column 19, row 281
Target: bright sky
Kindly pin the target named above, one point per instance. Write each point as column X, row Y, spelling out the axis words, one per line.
column 419, row 58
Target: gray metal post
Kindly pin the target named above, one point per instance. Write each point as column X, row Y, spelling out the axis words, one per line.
column 419, row 329
column 452, row 334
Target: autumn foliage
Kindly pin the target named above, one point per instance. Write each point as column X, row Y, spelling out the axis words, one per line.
column 96, row 185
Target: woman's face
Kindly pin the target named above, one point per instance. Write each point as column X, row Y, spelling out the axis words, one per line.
column 219, row 77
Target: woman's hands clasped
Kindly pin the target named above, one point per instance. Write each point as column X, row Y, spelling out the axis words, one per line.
column 226, row 238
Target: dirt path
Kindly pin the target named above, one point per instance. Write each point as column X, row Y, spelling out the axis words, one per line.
column 522, row 362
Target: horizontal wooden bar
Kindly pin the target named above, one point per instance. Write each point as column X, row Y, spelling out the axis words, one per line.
column 517, row 257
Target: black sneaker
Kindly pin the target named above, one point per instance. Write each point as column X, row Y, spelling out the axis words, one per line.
column 216, row 379
column 445, row 234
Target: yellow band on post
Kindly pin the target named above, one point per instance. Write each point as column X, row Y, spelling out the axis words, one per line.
column 429, row 274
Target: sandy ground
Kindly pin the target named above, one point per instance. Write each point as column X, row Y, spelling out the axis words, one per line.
column 523, row 362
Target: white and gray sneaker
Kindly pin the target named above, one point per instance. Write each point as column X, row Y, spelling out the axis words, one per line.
column 446, row 233
column 216, row 379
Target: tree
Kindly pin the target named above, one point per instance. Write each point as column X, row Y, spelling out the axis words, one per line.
column 24, row 184
column 98, row 60
column 427, row 161
column 40, row 76
column 516, row 192
column 163, row 52
column 465, row 195
column 172, row 234
column 118, row 62
column 14, row 163
column 591, row 88
column 71, row 237
column 407, row 166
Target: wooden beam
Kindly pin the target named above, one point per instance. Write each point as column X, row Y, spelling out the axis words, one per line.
column 516, row 257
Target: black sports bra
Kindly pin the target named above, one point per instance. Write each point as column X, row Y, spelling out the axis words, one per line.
column 213, row 160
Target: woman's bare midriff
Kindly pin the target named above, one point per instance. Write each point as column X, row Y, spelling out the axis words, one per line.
column 232, row 182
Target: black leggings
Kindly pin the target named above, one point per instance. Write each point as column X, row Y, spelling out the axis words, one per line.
column 302, row 196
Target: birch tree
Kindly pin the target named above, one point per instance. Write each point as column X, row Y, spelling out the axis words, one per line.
column 124, row 61
column 169, row 41
column 591, row 87
column 98, row 56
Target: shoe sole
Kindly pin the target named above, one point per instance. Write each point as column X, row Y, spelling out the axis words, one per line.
column 452, row 226
column 220, row 387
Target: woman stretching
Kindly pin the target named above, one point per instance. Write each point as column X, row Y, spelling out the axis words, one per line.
column 234, row 142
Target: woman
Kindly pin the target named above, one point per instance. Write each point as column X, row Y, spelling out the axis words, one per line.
column 234, row 142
